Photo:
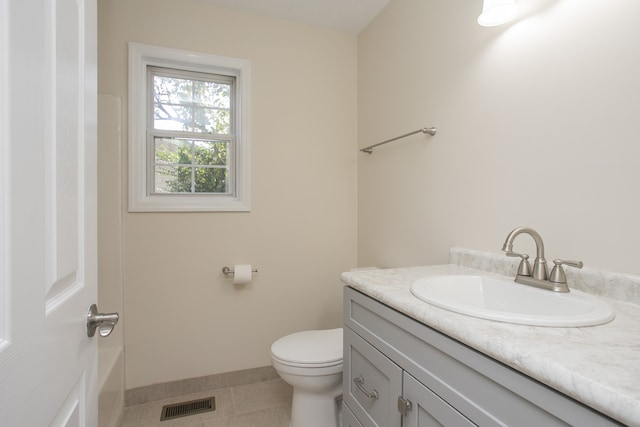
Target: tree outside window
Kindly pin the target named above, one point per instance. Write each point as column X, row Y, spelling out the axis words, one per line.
column 191, row 131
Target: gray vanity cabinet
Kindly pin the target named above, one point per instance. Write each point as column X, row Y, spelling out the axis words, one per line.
column 399, row 372
column 348, row 419
column 427, row 409
column 376, row 389
column 371, row 383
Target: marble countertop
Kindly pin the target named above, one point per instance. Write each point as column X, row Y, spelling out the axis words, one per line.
column 598, row 365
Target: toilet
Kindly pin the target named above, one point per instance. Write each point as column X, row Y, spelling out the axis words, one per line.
column 311, row 362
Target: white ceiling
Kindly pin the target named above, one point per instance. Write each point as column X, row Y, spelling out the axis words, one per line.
column 347, row 15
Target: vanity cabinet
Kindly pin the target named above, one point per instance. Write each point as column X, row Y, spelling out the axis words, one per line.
column 378, row 390
column 399, row 372
column 348, row 419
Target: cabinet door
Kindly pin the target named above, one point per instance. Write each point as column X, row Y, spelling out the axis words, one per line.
column 427, row 409
column 348, row 419
column 371, row 383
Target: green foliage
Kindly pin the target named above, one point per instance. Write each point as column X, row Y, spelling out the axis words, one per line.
column 191, row 166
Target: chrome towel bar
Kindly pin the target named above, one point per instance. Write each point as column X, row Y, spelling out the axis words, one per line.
column 431, row 131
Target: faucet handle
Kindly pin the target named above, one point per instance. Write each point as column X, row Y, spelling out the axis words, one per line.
column 557, row 273
column 524, row 269
column 560, row 262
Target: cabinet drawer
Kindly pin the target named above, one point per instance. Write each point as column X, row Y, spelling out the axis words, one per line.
column 371, row 383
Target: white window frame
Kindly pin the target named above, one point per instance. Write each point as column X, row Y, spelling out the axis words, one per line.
column 140, row 57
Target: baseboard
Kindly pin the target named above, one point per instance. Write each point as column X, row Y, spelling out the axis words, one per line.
column 140, row 395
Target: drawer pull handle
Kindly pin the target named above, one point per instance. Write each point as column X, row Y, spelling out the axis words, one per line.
column 360, row 384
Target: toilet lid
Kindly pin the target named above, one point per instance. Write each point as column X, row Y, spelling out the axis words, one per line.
column 310, row 347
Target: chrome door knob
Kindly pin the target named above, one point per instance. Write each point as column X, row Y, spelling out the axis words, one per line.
column 104, row 322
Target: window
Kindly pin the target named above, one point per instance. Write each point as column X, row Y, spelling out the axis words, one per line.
column 188, row 132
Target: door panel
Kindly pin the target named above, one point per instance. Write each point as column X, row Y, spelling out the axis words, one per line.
column 72, row 410
column 428, row 410
column 48, row 365
column 63, row 162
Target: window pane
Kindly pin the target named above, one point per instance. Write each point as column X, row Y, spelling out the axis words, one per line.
column 211, row 94
column 173, row 117
column 222, row 122
column 207, row 120
column 191, row 165
column 168, row 90
column 211, row 180
column 172, row 179
column 211, row 153
column 191, row 105
column 173, row 151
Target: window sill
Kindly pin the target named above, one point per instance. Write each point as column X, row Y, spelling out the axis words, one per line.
column 188, row 203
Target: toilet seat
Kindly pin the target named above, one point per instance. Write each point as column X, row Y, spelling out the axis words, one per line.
column 309, row 349
column 307, row 365
column 313, row 370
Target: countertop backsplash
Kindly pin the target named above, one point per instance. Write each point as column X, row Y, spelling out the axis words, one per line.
column 623, row 287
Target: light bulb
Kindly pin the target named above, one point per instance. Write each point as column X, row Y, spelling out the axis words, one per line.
column 496, row 12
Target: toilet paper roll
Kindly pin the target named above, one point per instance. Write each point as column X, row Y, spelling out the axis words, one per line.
column 242, row 274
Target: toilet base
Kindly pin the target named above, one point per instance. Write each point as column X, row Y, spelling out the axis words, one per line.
column 310, row 410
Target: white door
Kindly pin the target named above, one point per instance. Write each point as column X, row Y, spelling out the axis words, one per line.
column 48, row 365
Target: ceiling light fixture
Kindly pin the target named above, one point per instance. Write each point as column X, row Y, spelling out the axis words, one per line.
column 497, row 12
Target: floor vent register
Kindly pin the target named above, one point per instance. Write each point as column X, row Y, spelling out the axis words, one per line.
column 193, row 407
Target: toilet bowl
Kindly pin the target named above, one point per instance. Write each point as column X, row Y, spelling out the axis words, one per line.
column 311, row 362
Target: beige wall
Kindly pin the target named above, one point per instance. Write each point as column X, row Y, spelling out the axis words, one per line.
column 182, row 318
column 537, row 126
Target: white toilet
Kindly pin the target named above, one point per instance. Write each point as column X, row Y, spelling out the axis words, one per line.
column 311, row 362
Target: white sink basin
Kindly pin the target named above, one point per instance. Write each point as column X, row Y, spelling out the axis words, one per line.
column 507, row 301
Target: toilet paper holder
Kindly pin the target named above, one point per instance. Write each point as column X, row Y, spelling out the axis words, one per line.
column 226, row 270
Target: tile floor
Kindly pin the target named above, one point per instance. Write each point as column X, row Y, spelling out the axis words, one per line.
column 263, row 404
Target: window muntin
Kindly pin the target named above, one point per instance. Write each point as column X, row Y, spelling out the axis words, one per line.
column 190, row 132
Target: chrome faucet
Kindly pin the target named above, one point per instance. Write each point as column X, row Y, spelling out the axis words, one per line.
column 538, row 277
